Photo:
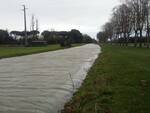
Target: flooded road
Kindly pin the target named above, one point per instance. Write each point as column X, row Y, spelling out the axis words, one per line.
column 42, row 83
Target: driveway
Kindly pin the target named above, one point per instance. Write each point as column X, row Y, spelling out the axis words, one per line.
column 42, row 83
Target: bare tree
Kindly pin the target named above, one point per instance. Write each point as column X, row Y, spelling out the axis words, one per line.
column 108, row 30
column 147, row 24
column 131, row 17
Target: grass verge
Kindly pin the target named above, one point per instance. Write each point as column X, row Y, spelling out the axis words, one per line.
column 118, row 82
column 6, row 52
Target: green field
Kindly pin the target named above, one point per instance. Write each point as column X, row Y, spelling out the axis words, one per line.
column 119, row 82
column 19, row 51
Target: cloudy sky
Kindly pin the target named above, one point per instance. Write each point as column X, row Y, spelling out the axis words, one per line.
column 85, row 15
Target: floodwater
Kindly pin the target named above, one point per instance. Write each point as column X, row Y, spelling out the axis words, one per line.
column 43, row 83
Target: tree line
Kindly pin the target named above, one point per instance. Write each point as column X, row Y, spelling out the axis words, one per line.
column 62, row 37
column 129, row 24
column 17, row 37
column 51, row 37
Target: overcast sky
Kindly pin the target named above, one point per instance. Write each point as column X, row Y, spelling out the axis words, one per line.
column 85, row 15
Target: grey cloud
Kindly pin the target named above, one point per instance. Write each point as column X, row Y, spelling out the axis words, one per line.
column 85, row 15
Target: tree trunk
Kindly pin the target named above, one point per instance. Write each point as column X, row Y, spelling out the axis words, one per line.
column 148, row 38
column 127, row 40
column 141, row 36
column 135, row 39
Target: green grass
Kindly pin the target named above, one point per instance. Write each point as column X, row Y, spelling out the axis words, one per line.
column 119, row 82
column 6, row 52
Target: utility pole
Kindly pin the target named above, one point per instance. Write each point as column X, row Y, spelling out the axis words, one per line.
column 32, row 23
column 37, row 25
column 25, row 25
